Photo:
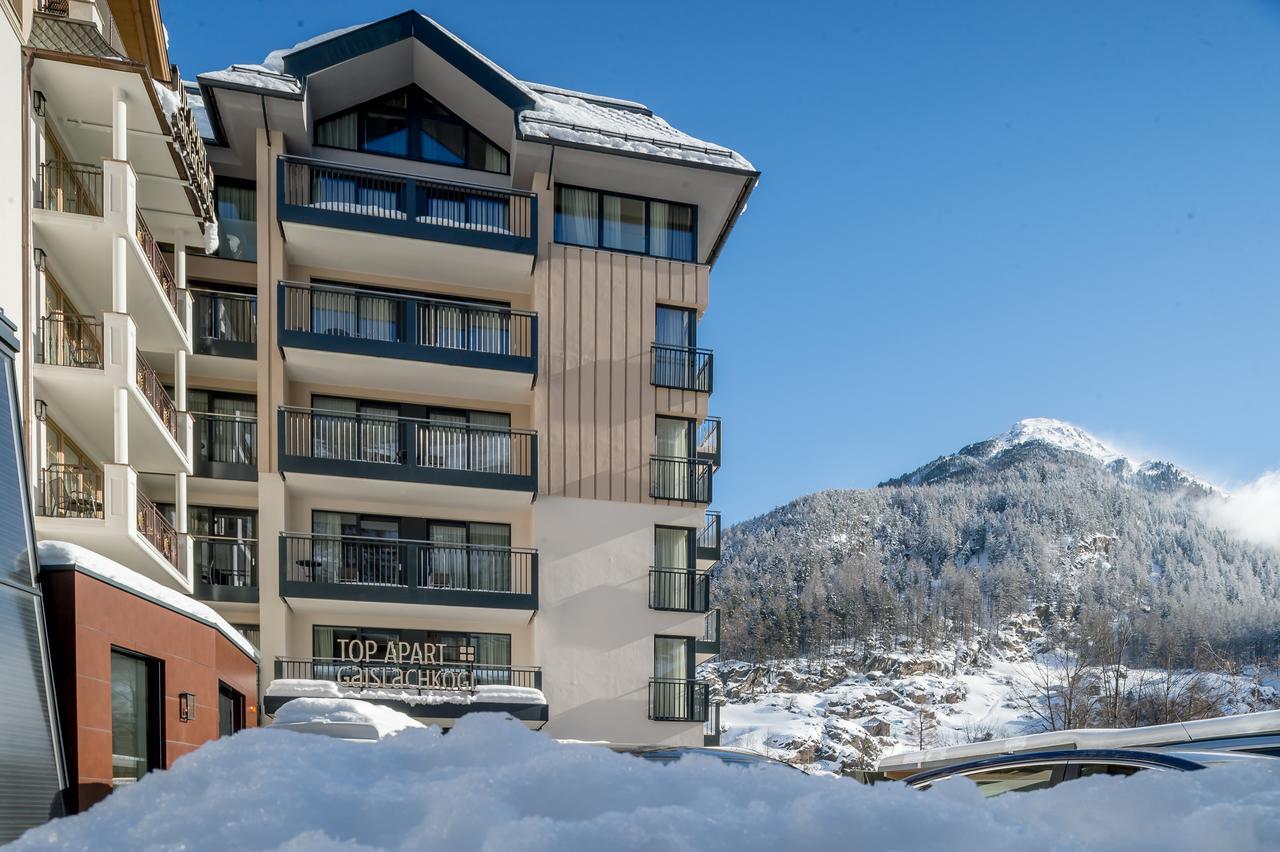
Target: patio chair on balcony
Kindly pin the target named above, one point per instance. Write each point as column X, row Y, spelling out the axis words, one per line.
column 79, row 504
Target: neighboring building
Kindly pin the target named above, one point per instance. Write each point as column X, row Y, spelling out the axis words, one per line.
column 144, row 674
column 430, row 423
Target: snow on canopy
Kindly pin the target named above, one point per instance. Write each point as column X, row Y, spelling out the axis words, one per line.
column 329, row 711
column 492, row 784
column 483, row 694
column 95, row 564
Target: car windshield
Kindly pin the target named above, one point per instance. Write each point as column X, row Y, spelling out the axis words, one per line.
column 1005, row 779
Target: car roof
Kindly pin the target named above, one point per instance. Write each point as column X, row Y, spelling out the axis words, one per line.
column 1157, row 760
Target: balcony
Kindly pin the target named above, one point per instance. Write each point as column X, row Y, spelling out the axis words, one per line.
column 226, row 446
column 404, row 342
column 397, row 571
column 680, row 480
column 429, row 459
column 709, row 538
column 82, row 363
column 226, row 569
column 682, row 368
column 105, row 511
column 458, row 687
column 709, row 441
column 678, row 700
column 345, row 217
column 76, row 222
column 708, row 644
column 679, row 590
column 226, row 324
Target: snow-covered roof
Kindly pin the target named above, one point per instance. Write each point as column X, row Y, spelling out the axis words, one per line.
column 61, row 553
column 556, row 115
column 195, row 100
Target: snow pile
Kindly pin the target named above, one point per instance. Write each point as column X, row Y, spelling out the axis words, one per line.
column 255, row 77
column 343, row 711
column 488, row 694
column 492, row 784
column 57, row 553
column 275, row 59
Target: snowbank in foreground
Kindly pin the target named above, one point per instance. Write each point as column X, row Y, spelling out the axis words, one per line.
column 494, row 785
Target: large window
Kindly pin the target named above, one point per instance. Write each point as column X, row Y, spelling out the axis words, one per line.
column 588, row 217
column 136, row 700
column 410, row 123
column 237, row 203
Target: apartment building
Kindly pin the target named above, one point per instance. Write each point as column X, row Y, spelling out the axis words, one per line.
column 424, row 413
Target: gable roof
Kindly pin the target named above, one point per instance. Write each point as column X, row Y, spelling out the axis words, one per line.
column 546, row 114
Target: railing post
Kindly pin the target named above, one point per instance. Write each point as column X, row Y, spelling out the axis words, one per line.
column 408, row 443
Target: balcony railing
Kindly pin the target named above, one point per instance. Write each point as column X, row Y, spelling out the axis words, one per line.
column 151, row 250
column 226, row 323
column 395, row 325
column 679, row 590
column 190, row 147
column 70, row 491
column 332, row 194
column 672, row 700
column 226, row 568
column 108, row 29
column 709, row 440
column 709, row 537
column 683, row 480
column 67, row 187
column 416, row 678
column 682, row 367
column 340, row 443
column 226, row 445
column 155, row 528
column 404, row 570
column 70, row 340
column 151, row 387
column 709, row 641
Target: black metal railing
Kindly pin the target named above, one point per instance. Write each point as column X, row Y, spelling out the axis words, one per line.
column 226, row 562
column 407, row 564
column 709, row 440
column 226, row 317
column 155, row 528
column 684, row 480
column 673, row 700
column 709, row 641
column 457, row 211
column 226, row 438
column 68, row 187
column 410, row 677
column 679, row 589
column 397, row 318
column 153, row 389
column 439, row 445
column 70, row 491
column 682, row 367
column 155, row 259
column 709, row 537
column 70, row 340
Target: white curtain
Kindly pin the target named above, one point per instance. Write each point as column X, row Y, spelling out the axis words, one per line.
column 491, row 557
column 338, row 132
column 578, row 219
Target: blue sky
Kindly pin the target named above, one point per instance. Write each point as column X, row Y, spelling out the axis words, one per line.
column 971, row 212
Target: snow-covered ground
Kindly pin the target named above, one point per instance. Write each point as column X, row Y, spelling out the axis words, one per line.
column 492, row 784
column 845, row 711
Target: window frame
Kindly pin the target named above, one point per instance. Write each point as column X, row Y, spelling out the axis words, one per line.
column 647, row 199
column 413, row 122
column 155, row 723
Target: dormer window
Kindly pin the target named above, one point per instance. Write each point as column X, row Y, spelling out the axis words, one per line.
column 410, row 123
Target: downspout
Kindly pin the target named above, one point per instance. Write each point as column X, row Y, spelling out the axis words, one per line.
column 28, row 386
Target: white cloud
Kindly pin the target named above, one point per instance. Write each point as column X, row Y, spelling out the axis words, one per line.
column 1251, row 511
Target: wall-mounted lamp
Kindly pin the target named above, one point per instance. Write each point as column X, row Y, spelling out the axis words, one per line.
column 186, row 706
column 38, row 102
column 39, row 257
column 42, row 410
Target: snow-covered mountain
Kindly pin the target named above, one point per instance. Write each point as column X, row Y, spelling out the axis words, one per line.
column 1042, row 522
column 1055, row 438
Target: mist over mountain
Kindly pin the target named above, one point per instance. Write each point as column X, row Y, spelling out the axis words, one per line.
column 1043, row 519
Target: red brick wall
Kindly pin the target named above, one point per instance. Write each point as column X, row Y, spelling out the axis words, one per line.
column 88, row 617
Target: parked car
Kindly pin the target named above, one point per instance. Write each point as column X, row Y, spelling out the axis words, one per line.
column 1043, row 769
column 670, row 754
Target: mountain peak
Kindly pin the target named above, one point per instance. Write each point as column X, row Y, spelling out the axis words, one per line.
column 1055, row 433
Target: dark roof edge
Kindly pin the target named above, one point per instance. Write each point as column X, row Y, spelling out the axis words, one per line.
column 748, row 187
column 639, row 155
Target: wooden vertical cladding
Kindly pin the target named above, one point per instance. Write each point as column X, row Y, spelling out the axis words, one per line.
column 595, row 400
